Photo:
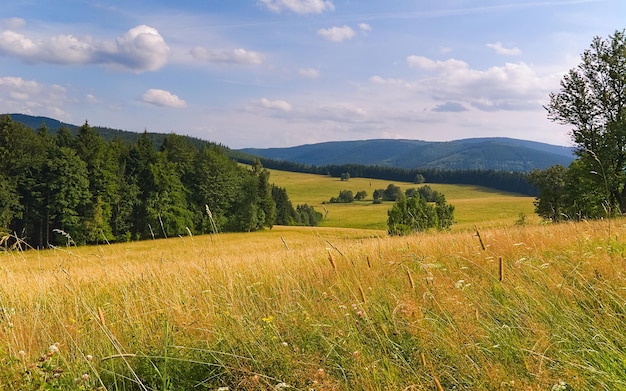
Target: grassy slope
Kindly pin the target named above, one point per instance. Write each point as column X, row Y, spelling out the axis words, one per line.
column 474, row 205
column 326, row 308
column 322, row 309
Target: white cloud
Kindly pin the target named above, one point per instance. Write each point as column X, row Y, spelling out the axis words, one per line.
column 163, row 98
column 140, row 49
column 279, row 105
column 12, row 23
column 504, row 51
column 310, row 73
column 299, row 6
column 365, row 27
column 513, row 86
column 235, row 56
column 30, row 97
column 337, row 34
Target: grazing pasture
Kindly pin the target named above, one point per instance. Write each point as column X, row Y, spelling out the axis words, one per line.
column 474, row 205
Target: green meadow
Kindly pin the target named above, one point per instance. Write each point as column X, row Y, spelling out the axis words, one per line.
column 489, row 305
column 473, row 205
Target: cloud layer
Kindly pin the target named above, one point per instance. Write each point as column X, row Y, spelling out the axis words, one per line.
column 235, row 56
column 140, row 49
column 299, row 6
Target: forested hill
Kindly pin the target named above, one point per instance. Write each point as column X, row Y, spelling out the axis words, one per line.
column 501, row 154
column 61, row 187
column 108, row 134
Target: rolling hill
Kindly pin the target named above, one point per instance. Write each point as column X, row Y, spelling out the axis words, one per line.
column 497, row 153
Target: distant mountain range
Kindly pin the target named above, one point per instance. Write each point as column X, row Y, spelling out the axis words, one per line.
column 496, row 153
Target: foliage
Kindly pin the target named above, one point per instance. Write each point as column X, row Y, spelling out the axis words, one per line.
column 95, row 191
column 286, row 214
column 345, row 197
column 391, row 193
column 416, row 214
column 592, row 101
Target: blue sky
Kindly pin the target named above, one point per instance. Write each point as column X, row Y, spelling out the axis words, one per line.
column 275, row 73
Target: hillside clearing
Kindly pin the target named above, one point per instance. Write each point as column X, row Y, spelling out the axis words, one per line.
column 474, row 205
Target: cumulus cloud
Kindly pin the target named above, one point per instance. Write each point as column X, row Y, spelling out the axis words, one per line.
column 235, row 56
column 513, row 86
column 500, row 49
column 337, row 34
column 310, row 73
column 299, row 6
column 279, row 105
column 140, row 49
column 18, row 95
column 163, row 98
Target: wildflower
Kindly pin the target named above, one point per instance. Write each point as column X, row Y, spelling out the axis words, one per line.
column 356, row 355
column 85, row 377
column 89, row 357
column 320, row 372
column 21, row 353
column 54, row 348
column 268, row 319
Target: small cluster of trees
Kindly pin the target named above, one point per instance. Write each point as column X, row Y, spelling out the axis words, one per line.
column 592, row 100
column 94, row 191
column 416, row 214
column 286, row 214
column 347, row 196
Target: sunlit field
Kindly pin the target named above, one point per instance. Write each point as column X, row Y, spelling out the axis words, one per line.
column 474, row 205
column 518, row 308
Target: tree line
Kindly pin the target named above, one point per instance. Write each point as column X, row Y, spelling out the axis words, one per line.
column 60, row 187
column 515, row 182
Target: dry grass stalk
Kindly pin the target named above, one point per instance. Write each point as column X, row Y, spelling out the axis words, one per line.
column 437, row 383
column 411, row 282
column 101, row 317
column 332, row 261
column 501, row 269
column 363, row 299
column 480, row 239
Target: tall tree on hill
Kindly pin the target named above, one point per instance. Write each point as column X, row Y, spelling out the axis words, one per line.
column 141, row 156
column 592, row 100
column 102, row 168
column 22, row 158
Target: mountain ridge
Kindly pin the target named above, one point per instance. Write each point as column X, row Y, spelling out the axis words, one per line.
column 482, row 153
column 488, row 153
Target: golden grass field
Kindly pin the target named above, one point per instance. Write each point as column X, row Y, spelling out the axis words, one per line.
column 533, row 307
